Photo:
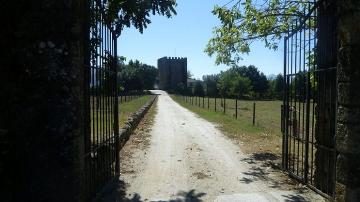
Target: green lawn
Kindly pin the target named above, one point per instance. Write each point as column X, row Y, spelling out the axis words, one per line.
column 264, row 136
column 101, row 116
column 127, row 108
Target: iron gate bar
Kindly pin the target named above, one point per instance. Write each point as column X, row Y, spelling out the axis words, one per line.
column 101, row 138
column 306, row 17
column 87, row 121
column 308, row 72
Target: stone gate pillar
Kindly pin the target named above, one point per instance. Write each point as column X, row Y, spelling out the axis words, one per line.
column 348, row 127
column 41, row 99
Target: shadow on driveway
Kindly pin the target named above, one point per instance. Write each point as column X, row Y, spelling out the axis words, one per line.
column 116, row 192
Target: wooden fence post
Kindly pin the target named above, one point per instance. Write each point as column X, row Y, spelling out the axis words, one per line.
column 236, row 108
column 208, row 102
column 254, row 106
column 215, row 103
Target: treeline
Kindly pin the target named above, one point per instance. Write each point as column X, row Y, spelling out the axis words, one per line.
column 238, row 82
column 135, row 76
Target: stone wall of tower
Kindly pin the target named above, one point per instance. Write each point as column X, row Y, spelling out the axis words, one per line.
column 172, row 71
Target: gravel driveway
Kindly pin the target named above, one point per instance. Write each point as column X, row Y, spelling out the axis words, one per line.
column 189, row 159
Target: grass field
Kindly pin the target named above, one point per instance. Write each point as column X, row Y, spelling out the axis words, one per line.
column 264, row 136
column 102, row 116
column 128, row 108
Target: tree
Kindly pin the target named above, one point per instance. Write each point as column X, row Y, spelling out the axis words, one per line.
column 244, row 21
column 237, row 82
column 262, row 85
column 279, row 86
column 210, row 82
column 298, row 87
column 180, row 89
column 148, row 76
column 124, row 13
column 232, row 84
column 137, row 76
column 189, row 75
column 258, row 80
column 225, row 81
column 240, row 86
column 117, row 14
column 199, row 89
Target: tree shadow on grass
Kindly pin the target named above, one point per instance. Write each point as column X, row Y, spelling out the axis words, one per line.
column 116, row 192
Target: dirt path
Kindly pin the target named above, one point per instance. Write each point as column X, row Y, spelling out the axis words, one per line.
column 186, row 158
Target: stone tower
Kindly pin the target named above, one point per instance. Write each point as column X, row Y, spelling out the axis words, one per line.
column 172, row 72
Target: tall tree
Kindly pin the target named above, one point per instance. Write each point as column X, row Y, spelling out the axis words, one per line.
column 279, row 86
column 258, row 80
column 124, row 13
column 210, row 82
column 240, row 86
column 232, row 84
column 225, row 82
column 244, row 21
column 118, row 14
column 189, row 75
column 137, row 76
column 199, row 89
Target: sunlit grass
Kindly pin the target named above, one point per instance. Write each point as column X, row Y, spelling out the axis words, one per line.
column 102, row 115
column 127, row 108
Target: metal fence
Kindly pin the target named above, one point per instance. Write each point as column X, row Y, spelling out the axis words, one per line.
column 102, row 118
column 127, row 97
column 230, row 106
column 309, row 112
column 259, row 113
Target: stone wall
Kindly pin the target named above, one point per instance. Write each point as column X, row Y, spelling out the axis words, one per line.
column 172, row 71
column 133, row 122
column 348, row 118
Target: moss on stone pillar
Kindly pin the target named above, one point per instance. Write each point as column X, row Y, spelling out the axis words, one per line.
column 41, row 105
column 348, row 128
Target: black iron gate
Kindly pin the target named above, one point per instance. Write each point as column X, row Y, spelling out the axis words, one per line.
column 309, row 112
column 101, row 128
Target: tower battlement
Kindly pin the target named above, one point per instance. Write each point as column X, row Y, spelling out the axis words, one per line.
column 172, row 72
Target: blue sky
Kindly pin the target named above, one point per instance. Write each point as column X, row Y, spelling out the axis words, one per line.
column 186, row 35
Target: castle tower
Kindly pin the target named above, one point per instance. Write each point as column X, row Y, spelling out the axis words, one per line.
column 172, row 72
